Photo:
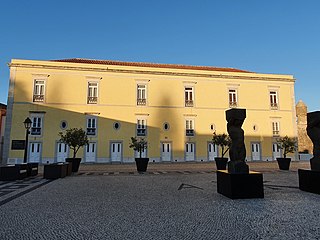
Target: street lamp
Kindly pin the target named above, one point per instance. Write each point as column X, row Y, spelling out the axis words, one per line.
column 27, row 124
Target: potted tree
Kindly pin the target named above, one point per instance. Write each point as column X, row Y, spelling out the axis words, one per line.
column 139, row 145
column 288, row 145
column 75, row 138
column 224, row 142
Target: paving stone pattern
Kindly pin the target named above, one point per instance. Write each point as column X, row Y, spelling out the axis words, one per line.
column 160, row 206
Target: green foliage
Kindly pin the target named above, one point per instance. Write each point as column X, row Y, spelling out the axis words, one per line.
column 289, row 145
column 138, row 144
column 223, row 141
column 75, row 138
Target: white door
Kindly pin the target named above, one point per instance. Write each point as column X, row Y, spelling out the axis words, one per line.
column 212, row 151
column 62, row 152
column 116, row 152
column 34, row 152
column 90, row 154
column 190, row 152
column 143, row 153
column 276, row 151
column 255, row 151
column 166, row 152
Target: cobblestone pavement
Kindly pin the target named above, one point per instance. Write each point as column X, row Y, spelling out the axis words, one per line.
column 162, row 204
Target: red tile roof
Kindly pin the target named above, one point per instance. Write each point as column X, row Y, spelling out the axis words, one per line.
column 154, row 65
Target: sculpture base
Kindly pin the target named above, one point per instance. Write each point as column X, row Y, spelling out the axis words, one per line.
column 238, row 167
column 309, row 180
column 237, row 186
column 315, row 164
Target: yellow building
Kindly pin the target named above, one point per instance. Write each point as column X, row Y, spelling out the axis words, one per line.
column 175, row 107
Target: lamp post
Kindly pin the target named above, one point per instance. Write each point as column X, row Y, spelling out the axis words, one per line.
column 27, row 124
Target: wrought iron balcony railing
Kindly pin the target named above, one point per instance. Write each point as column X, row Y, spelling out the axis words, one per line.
column 189, row 103
column 38, row 98
column 92, row 100
column 141, row 101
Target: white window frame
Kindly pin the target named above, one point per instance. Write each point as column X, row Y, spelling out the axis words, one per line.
column 141, row 127
column 37, row 124
column 39, row 87
column 91, row 126
column 141, row 94
column 233, row 97
column 93, row 92
column 276, row 128
column 189, row 96
column 189, row 125
column 274, row 100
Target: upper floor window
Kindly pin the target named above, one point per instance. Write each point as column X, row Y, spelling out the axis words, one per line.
column 275, row 129
column 92, row 93
column 141, row 127
column 91, row 126
column 141, row 94
column 38, row 91
column 233, row 98
column 189, row 96
column 36, row 126
column 274, row 100
column 189, row 127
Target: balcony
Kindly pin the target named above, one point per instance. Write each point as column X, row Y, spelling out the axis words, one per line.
column 36, row 131
column 189, row 103
column 141, row 101
column 189, row 132
column 274, row 106
column 92, row 100
column 38, row 98
column 91, row 131
column 141, row 132
column 233, row 104
column 276, row 133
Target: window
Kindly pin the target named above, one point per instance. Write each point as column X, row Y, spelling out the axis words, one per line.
column 38, row 91
column 92, row 93
column 275, row 128
column 141, row 94
column 36, row 125
column 189, row 127
column 188, row 93
column 91, row 126
column 141, row 127
column 274, row 100
column 233, row 98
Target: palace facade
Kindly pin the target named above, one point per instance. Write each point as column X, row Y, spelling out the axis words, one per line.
column 176, row 108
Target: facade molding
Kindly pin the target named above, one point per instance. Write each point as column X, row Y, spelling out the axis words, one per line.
column 115, row 70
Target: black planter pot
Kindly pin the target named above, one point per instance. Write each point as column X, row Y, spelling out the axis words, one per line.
column 221, row 163
column 75, row 163
column 284, row 163
column 142, row 164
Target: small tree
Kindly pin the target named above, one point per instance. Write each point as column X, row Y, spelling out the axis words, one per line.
column 222, row 140
column 138, row 145
column 289, row 145
column 75, row 138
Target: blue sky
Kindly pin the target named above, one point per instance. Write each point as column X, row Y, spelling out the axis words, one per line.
column 274, row 36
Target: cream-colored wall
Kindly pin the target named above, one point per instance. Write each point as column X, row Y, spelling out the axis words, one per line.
column 66, row 95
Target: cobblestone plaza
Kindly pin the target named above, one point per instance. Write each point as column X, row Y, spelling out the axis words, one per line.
column 171, row 201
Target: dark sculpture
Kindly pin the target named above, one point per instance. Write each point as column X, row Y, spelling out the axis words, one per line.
column 237, row 152
column 313, row 131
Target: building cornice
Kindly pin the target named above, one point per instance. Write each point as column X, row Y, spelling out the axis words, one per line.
column 219, row 75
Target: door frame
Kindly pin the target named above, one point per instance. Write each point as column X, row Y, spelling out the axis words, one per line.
column 194, row 152
column 110, row 149
column 40, row 152
column 217, row 150
column 56, row 151
column 260, row 150
column 95, row 152
column 171, row 152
